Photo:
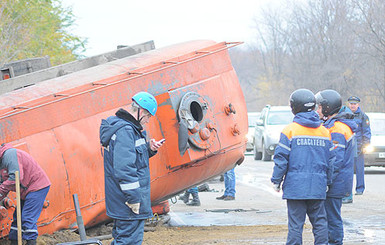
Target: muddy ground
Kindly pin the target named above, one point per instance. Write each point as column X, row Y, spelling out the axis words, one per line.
column 258, row 215
column 162, row 234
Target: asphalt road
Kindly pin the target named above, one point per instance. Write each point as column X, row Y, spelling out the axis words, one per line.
column 258, row 204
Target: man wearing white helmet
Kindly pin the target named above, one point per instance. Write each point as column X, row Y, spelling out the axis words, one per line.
column 126, row 168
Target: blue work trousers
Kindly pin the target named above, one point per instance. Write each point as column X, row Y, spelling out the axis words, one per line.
column 229, row 178
column 128, row 232
column 193, row 190
column 315, row 210
column 360, row 172
column 335, row 224
column 30, row 212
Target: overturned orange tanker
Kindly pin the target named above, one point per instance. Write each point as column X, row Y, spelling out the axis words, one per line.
column 201, row 114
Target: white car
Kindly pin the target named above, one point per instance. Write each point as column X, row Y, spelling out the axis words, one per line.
column 268, row 130
column 375, row 151
column 252, row 118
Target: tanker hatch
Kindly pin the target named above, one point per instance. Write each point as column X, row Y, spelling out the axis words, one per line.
column 196, row 123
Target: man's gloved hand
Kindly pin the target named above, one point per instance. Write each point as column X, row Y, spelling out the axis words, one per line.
column 134, row 207
column 276, row 187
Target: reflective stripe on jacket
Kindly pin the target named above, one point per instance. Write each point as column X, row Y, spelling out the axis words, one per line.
column 345, row 146
column 304, row 158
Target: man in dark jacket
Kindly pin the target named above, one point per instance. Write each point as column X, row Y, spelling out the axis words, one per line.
column 304, row 162
column 126, row 168
column 34, row 185
column 342, row 127
column 363, row 136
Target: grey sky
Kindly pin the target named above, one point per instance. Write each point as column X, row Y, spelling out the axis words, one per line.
column 107, row 24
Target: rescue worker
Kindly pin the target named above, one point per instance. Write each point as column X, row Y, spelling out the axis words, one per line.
column 34, row 187
column 341, row 126
column 303, row 160
column 126, row 168
column 363, row 136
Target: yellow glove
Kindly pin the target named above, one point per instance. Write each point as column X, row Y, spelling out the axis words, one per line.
column 134, row 207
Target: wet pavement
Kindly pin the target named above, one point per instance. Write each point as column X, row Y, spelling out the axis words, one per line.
column 258, row 204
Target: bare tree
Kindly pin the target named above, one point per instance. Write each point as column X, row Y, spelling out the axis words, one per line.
column 325, row 44
column 371, row 32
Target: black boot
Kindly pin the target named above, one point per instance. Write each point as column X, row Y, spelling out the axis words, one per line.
column 195, row 201
column 31, row 242
column 185, row 197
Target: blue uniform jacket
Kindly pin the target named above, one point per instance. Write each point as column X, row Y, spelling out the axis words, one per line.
column 342, row 132
column 363, row 133
column 126, row 166
column 304, row 158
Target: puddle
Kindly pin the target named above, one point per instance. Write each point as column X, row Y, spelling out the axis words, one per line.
column 360, row 229
column 209, row 218
column 369, row 231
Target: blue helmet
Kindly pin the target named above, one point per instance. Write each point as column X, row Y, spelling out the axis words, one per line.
column 146, row 101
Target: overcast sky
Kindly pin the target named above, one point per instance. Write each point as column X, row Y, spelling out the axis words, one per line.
column 107, row 24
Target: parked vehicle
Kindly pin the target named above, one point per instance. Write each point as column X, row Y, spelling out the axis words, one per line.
column 375, row 152
column 252, row 118
column 268, row 129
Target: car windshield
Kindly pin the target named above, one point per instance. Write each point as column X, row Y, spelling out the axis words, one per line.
column 377, row 126
column 280, row 118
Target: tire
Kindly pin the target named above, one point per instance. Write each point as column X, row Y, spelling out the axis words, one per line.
column 257, row 155
column 265, row 155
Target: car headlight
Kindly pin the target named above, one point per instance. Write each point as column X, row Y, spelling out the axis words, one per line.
column 368, row 149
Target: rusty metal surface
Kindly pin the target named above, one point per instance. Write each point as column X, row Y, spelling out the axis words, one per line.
column 57, row 122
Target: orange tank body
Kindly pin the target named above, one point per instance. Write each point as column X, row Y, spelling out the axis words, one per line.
column 201, row 114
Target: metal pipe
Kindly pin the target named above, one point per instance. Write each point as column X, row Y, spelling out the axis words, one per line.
column 79, row 218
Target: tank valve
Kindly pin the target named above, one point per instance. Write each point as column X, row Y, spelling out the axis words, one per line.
column 204, row 133
column 229, row 109
column 46, row 204
column 195, row 128
column 235, row 130
column 210, row 126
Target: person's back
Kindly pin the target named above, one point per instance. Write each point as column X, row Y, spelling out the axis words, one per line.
column 342, row 132
column 305, row 147
column 303, row 161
